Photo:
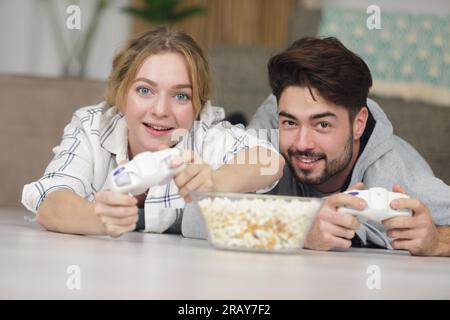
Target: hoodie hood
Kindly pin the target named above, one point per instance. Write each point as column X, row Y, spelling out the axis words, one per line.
column 380, row 142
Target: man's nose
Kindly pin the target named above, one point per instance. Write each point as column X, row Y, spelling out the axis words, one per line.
column 160, row 107
column 304, row 140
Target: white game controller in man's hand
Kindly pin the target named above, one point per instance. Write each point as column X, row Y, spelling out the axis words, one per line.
column 146, row 170
column 378, row 205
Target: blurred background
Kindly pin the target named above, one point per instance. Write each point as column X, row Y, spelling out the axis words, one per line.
column 56, row 55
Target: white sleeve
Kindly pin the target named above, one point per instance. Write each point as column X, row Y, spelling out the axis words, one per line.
column 71, row 168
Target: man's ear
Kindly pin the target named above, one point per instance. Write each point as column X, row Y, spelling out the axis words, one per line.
column 359, row 123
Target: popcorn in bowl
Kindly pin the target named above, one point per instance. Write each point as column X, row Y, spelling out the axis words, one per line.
column 257, row 222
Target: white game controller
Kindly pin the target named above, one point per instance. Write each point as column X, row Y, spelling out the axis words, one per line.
column 147, row 169
column 378, row 205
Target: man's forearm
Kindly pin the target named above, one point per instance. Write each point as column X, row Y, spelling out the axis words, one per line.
column 64, row 211
column 444, row 241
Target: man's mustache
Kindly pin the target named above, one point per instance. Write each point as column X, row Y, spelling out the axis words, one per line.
column 302, row 153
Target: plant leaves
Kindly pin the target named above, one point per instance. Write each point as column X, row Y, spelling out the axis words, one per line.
column 163, row 11
column 188, row 12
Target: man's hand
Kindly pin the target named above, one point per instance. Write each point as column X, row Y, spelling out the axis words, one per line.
column 417, row 233
column 197, row 176
column 117, row 212
column 332, row 229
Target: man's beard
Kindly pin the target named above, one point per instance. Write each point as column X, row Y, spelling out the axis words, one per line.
column 331, row 169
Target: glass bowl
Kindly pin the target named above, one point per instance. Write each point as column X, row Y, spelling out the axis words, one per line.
column 255, row 222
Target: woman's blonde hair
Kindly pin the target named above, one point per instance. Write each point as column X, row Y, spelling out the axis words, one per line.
column 128, row 61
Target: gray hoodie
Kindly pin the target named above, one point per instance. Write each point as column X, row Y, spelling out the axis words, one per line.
column 385, row 160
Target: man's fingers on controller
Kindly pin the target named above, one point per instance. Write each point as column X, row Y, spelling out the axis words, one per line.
column 340, row 219
column 338, row 242
column 339, row 231
column 407, row 203
column 398, row 188
column 348, row 221
column 343, row 199
column 357, row 186
column 402, row 234
column 399, row 223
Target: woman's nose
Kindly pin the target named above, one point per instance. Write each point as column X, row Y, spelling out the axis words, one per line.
column 160, row 107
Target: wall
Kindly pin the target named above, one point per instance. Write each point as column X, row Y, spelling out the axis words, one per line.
column 28, row 42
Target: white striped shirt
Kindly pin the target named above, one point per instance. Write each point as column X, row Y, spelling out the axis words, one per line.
column 96, row 140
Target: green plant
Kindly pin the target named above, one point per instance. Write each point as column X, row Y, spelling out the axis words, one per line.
column 163, row 11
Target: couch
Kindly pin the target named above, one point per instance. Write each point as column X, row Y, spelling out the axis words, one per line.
column 34, row 111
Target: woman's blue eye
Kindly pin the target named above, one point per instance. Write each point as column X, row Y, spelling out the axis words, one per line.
column 182, row 96
column 143, row 90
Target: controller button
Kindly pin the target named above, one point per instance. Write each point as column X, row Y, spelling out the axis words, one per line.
column 119, row 170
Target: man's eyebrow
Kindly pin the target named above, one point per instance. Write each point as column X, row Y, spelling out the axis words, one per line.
column 287, row 115
column 322, row 115
column 154, row 84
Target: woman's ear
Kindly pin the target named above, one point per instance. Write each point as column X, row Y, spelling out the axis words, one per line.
column 359, row 123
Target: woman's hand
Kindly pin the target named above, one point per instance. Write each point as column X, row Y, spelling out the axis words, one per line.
column 197, row 176
column 117, row 212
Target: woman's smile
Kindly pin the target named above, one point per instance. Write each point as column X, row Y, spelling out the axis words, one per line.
column 156, row 129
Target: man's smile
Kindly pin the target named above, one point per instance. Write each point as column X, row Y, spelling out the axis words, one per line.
column 306, row 163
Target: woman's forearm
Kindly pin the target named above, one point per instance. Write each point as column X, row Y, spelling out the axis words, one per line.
column 250, row 170
column 65, row 211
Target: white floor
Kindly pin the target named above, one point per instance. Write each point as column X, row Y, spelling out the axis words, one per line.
column 38, row 264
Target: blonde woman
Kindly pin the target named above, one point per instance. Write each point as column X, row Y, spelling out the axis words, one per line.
column 159, row 84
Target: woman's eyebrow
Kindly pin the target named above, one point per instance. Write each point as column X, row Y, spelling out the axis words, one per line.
column 154, row 84
column 150, row 82
column 182, row 86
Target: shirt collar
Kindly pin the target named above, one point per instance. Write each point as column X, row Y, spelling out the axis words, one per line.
column 114, row 135
column 210, row 115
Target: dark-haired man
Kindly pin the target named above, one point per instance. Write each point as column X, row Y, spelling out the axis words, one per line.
column 334, row 138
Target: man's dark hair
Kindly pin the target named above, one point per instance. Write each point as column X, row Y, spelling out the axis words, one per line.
column 339, row 75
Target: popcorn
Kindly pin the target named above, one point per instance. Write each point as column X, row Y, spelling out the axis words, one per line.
column 268, row 224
